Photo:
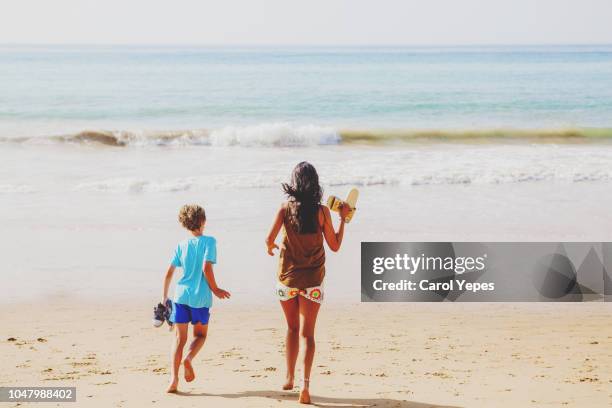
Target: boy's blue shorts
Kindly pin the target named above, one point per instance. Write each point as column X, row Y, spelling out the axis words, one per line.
column 185, row 314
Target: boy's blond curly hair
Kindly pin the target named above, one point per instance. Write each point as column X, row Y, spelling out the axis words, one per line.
column 191, row 216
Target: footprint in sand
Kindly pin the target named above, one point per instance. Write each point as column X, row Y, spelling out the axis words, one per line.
column 440, row 374
column 81, row 363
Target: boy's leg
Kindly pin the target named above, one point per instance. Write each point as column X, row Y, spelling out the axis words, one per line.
column 292, row 341
column 180, row 330
column 308, row 314
column 199, row 337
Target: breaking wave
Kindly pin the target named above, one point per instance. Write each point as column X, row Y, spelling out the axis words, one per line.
column 289, row 135
column 264, row 135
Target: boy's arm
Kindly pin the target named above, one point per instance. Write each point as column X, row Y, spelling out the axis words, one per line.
column 210, row 277
column 167, row 280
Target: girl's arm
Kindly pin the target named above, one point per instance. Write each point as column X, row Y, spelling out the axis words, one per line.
column 167, row 280
column 333, row 238
column 276, row 226
column 212, row 283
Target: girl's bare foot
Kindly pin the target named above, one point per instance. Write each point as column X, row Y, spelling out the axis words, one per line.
column 288, row 384
column 189, row 373
column 304, row 393
column 172, row 387
column 305, row 397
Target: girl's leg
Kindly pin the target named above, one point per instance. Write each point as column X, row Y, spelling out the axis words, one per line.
column 199, row 337
column 292, row 341
column 308, row 317
column 180, row 329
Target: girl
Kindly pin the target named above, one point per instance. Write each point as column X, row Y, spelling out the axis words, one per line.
column 302, row 264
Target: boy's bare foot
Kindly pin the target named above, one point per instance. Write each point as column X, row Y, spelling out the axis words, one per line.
column 305, row 397
column 189, row 373
column 172, row 387
column 288, row 384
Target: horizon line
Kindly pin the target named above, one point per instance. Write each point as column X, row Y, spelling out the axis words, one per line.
column 300, row 45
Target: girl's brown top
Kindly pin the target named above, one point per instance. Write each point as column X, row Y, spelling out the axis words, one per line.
column 302, row 256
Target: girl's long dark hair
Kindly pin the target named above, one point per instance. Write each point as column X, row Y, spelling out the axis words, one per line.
column 305, row 195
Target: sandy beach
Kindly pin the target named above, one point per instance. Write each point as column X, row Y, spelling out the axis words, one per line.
column 447, row 144
column 397, row 355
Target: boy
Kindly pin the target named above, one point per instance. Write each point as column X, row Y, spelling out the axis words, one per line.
column 192, row 295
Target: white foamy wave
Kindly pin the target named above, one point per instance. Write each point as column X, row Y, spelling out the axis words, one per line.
column 16, row 189
column 141, row 185
column 504, row 178
column 589, row 177
column 194, row 137
column 132, row 185
column 274, row 135
column 264, row 135
column 362, row 180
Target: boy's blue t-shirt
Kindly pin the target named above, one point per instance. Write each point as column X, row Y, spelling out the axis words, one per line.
column 192, row 288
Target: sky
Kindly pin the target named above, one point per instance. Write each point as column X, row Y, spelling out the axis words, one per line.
column 309, row 22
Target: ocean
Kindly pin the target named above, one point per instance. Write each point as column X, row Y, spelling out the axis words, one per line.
column 101, row 145
column 57, row 90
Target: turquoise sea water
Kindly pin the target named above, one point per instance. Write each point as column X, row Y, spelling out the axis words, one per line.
column 55, row 90
column 150, row 129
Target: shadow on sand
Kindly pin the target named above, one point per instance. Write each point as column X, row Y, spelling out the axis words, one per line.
column 319, row 401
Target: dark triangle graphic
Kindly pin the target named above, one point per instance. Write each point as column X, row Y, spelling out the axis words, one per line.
column 555, row 277
column 590, row 273
column 607, row 283
column 561, row 249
